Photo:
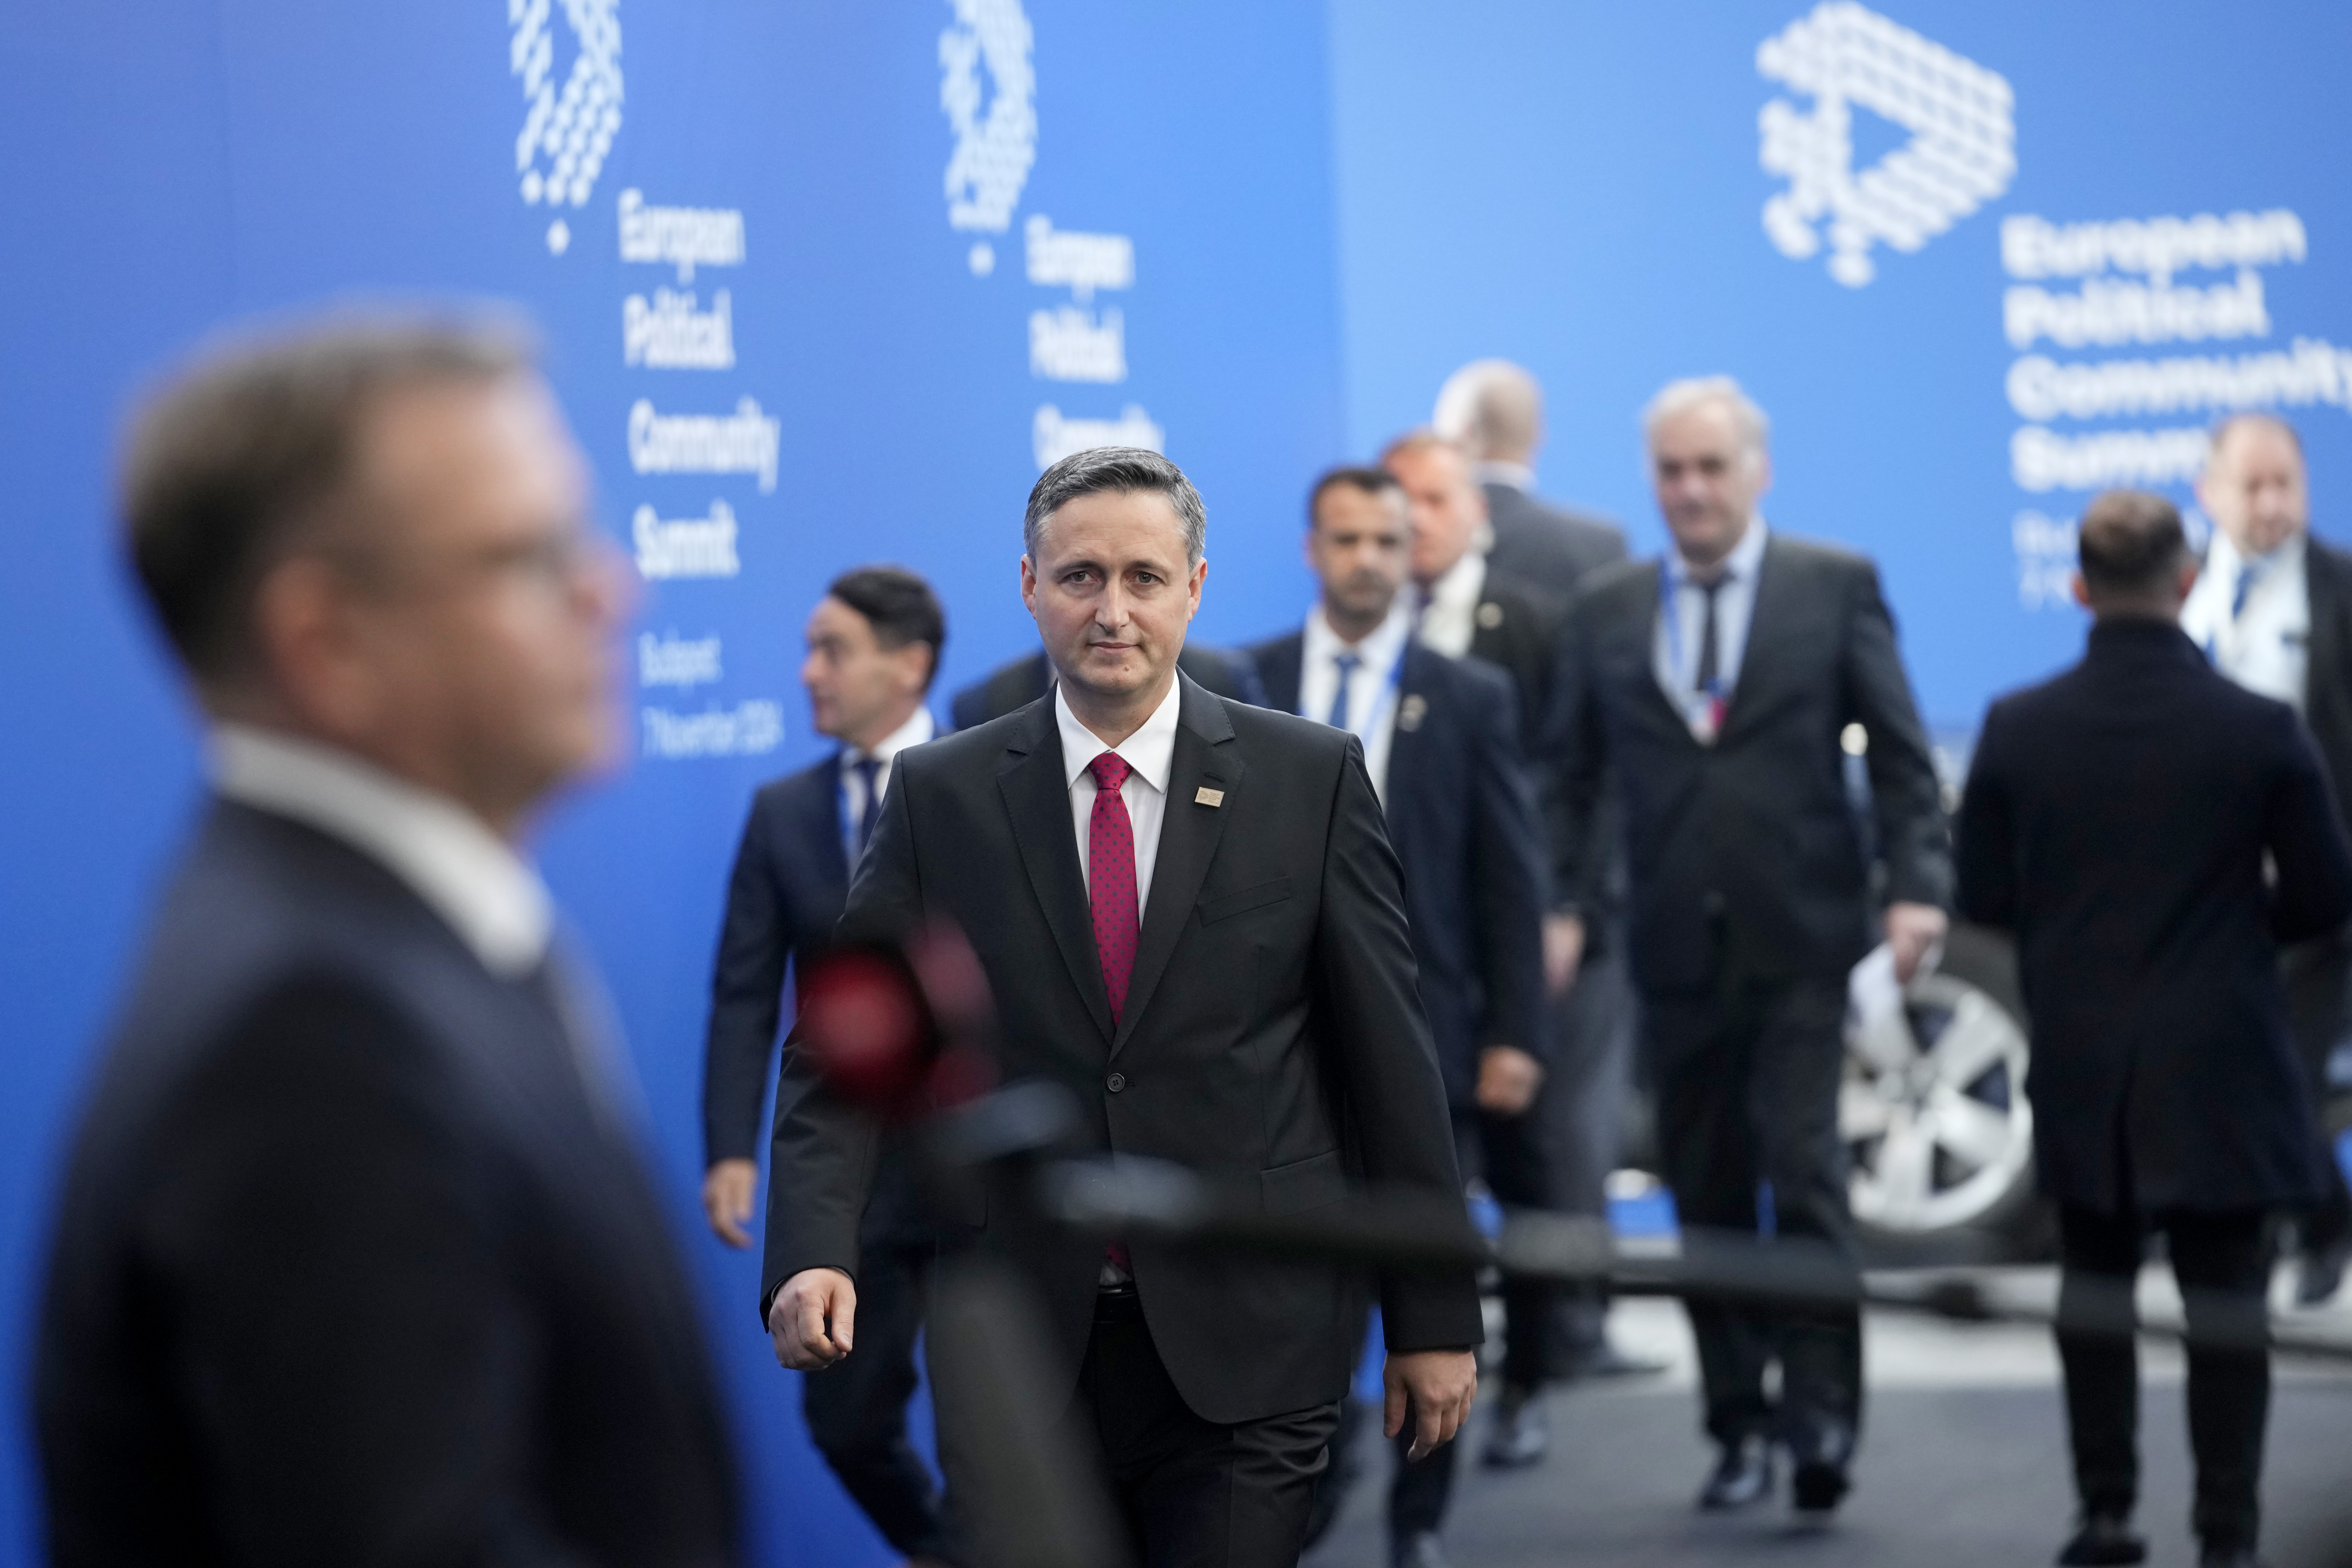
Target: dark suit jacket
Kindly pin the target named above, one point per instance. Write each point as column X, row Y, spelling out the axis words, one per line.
column 1462, row 820
column 1549, row 546
column 1270, row 1019
column 2327, row 686
column 351, row 1264
column 1750, row 841
column 789, row 882
column 2117, row 819
column 1226, row 672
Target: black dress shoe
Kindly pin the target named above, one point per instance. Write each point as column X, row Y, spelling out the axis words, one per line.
column 1417, row 1549
column 1742, row 1476
column 1820, row 1456
column 1521, row 1436
column 2228, row 1557
column 2104, row 1538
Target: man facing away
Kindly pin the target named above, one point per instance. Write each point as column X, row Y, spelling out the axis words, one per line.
column 1714, row 686
column 1493, row 411
column 1191, row 917
column 2272, row 610
column 874, row 644
column 1438, row 742
column 2152, row 833
column 356, row 1261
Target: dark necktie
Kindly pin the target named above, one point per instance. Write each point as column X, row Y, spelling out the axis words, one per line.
column 1710, row 680
column 1110, row 879
column 1346, row 663
column 2247, row 573
column 867, row 770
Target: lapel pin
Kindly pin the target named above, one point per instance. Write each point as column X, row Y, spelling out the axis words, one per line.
column 1490, row 615
column 1205, row 796
column 1411, row 710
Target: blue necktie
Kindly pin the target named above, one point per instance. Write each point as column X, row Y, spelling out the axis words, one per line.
column 2246, row 575
column 866, row 768
column 1346, row 663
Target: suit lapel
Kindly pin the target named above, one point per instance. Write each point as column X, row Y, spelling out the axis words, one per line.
column 1650, row 691
column 1189, row 834
column 1406, row 746
column 1037, row 798
column 1281, row 670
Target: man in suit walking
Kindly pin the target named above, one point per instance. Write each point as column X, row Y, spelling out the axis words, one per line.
column 356, row 1259
column 1191, row 917
column 2152, row 833
column 1493, row 410
column 1016, row 683
column 2272, row 610
column 874, row 644
column 1438, row 742
column 1713, row 685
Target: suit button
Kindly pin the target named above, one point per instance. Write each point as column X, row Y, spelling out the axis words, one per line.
column 1116, row 1082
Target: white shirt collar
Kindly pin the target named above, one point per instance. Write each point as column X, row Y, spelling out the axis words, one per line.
column 1464, row 582
column 1501, row 471
column 1150, row 750
column 2224, row 553
column 448, row 856
column 919, row 727
column 1740, row 565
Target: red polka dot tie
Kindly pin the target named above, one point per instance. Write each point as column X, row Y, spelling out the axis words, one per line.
column 1110, row 879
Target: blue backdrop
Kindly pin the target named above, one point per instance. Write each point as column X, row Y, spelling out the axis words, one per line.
column 822, row 285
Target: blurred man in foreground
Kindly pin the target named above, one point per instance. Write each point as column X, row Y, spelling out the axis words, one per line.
column 1438, row 742
column 2272, row 610
column 356, row 1259
column 2126, row 821
column 1713, row 686
column 1191, row 921
column 874, row 644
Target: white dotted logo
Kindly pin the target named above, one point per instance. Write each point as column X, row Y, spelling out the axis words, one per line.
column 996, row 130
column 565, row 133
column 1961, row 154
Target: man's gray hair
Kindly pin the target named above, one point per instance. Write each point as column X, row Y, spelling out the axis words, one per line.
column 1677, row 396
column 1126, row 470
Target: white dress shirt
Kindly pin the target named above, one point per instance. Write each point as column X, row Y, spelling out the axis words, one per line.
column 1372, row 689
column 919, row 728
column 1675, row 653
column 1151, row 753
column 448, row 856
column 2266, row 647
column 1449, row 612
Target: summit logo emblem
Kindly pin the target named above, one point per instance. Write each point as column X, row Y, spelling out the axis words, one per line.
column 1961, row 152
column 569, row 122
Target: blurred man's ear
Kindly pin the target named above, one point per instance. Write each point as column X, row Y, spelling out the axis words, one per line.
column 2081, row 590
column 2190, row 572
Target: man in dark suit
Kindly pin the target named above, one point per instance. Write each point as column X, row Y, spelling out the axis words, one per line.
column 2272, row 610
column 1190, row 915
column 356, row 1259
column 2152, row 833
column 1715, row 685
column 1012, row 686
column 874, row 642
column 1493, row 410
column 1438, row 744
